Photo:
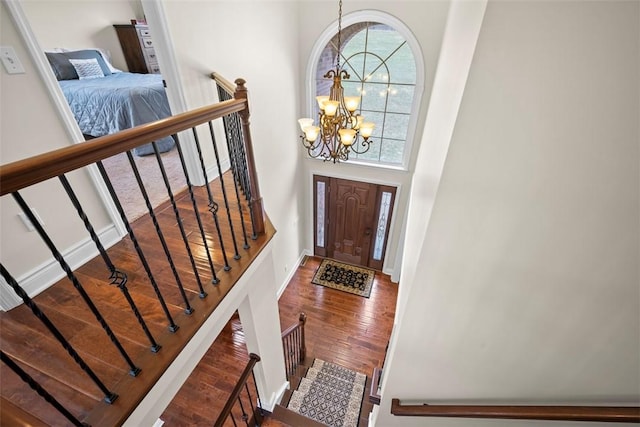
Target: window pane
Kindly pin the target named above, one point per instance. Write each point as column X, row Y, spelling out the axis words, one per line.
column 374, row 97
column 375, row 70
column 400, row 99
column 373, row 154
column 392, row 151
column 354, row 65
column 403, row 65
column 383, row 41
column 381, row 229
column 320, row 214
column 395, row 126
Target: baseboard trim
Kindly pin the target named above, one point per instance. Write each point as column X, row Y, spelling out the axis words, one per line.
column 275, row 398
column 212, row 171
column 292, row 271
column 49, row 272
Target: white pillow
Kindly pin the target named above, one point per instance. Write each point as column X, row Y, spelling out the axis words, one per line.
column 106, row 55
column 87, row 68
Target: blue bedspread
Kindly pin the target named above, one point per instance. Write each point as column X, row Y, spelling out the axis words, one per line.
column 116, row 102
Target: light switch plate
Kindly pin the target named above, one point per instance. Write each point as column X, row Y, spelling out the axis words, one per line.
column 10, row 60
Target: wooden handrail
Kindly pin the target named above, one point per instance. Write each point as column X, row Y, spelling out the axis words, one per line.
column 613, row 414
column 253, row 359
column 23, row 173
column 301, row 321
column 224, row 83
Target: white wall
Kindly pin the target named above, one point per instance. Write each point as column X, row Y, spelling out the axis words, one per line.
column 83, row 24
column 30, row 125
column 426, row 21
column 527, row 286
column 258, row 42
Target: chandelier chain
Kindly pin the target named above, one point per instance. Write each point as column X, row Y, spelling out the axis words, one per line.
column 339, row 34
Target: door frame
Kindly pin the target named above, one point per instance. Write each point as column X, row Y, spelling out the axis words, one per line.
column 157, row 16
column 390, row 220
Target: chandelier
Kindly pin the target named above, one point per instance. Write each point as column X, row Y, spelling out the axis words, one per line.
column 340, row 130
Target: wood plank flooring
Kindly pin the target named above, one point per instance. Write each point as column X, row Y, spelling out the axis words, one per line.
column 341, row 328
column 30, row 344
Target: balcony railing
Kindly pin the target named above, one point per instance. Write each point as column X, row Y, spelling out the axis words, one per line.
column 181, row 259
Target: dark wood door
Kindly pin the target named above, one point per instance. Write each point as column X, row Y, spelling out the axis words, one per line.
column 351, row 215
column 351, row 220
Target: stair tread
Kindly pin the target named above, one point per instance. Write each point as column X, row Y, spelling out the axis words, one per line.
column 294, row 419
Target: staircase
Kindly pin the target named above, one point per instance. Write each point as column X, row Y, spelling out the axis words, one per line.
column 331, row 381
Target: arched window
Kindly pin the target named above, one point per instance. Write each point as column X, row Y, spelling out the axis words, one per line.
column 379, row 53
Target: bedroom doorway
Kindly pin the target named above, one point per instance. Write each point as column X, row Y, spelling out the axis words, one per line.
column 351, row 220
column 31, row 29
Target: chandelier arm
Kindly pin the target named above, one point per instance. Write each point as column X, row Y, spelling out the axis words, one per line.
column 366, row 144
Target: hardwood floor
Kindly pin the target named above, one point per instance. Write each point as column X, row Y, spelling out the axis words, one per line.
column 31, row 345
column 341, row 328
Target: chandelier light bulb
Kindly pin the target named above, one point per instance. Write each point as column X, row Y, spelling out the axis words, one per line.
column 311, row 133
column 305, row 123
column 321, row 100
column 347, row 136
column 351, row 102
column 366, row 129
column 331, row 107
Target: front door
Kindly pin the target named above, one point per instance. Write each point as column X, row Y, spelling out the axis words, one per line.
column 351, row 220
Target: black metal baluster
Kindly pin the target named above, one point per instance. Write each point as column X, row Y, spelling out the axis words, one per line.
column 133, row 370
column 172, row 326
column 188, row 309
column 286, row 355
column 245, row 417
column 40, row 390
column 109, row 396
column 214, row 280
column 255, row 384
column 234, row 161
column 117, row 277
column 224, row 191
column 244, row 169
column 296, row 348
column 213, row 206
column 292, row 351
column 176, row 212
column 253, row 410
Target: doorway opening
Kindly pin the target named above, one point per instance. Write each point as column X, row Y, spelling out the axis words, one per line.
column 351, row 220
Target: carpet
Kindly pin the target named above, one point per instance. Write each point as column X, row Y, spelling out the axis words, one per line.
column 126, row 187
column 344, row 277
column 330, row 394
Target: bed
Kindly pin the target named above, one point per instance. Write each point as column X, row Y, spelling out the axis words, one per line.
column 105, row 102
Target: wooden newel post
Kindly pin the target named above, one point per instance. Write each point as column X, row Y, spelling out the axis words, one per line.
column 303, row 346
column 257, row 211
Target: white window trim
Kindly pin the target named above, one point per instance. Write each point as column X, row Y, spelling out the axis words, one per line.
column 383, row 18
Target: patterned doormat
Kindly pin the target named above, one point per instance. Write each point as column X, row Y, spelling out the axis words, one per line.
column 330, row 394
column 344, row 277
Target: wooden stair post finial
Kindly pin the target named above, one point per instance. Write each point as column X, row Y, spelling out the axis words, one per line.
column 257, row 210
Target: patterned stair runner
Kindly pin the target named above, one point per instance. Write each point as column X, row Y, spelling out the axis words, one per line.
column 329, row 394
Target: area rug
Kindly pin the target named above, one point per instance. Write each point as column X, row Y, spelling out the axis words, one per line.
column 344, row 277
column 330, row 394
